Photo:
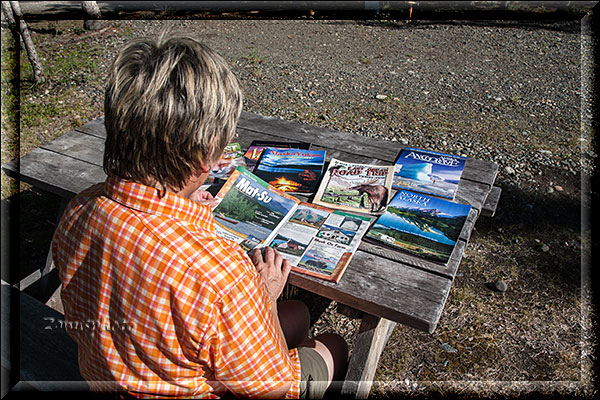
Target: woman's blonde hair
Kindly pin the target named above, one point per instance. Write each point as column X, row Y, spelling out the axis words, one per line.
column 171, row 106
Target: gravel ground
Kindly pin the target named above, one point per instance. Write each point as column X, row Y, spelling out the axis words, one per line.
column 506, row 91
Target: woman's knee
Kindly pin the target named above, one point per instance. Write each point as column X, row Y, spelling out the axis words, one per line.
column 294, row 318
column 334, row 350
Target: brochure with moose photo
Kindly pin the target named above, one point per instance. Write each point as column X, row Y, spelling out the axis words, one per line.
column 291, row 170
column 355, row 187
column 256, row 148
column 428, row 172
column 317, row 241
column 421, row 225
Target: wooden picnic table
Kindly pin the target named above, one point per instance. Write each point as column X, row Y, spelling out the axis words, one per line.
column 389, row 287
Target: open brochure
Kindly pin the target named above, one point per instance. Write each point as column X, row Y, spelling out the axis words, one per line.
column 421, row 225
column 428, row 172
column 317, row 241
column 355, row 187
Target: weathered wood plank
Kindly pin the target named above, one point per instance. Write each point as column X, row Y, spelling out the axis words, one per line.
column 80, row 146
column 389, row 289
column 370, row 148
column 386, row 151
column 56, row 173
column 95, row 127
column 491, row 202
column 369, row 343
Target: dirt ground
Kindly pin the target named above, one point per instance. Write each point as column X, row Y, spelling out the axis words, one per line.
column 513, row 92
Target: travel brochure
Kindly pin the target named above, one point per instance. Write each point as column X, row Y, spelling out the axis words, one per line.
column 291, row 170
column 317, row 241
column 355, row 187
column 255, row 150
column 319, row 238
column 428, row 172
column 232, row 157
column 422, row 225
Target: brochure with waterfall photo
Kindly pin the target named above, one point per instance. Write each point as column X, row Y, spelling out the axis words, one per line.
column 317, row 241
column 428, row 172
column 363, row 188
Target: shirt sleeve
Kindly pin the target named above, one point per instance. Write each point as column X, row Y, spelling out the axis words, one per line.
column 247, row 353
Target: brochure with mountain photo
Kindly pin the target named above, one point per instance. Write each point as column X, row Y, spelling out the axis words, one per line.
column 255, row 150
column 317, row 241
column 363, row 188
column 422, row 225
column 291, row 170
column 428, row 172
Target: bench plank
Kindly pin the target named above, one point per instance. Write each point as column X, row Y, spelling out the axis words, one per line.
column 54, row 172
column 81, row 146
column 47, row 354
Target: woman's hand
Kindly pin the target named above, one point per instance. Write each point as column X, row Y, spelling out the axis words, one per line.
column 272, row 268
column 203, row 197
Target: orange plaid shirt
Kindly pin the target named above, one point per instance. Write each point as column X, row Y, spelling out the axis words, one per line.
column 159, row 304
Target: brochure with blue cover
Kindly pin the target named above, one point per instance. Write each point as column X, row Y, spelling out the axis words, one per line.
column 428, row 172
column 291, row 170
column 421, row 225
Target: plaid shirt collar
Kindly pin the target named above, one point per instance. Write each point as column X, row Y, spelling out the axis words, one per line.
column 146, row 199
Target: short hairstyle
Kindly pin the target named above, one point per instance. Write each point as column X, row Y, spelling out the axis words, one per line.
column 171, row 105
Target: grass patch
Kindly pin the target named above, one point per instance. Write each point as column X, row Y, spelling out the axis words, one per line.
column 254, row 58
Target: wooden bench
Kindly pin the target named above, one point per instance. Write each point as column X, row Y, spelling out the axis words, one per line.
column 388, row 287
column 47, row 356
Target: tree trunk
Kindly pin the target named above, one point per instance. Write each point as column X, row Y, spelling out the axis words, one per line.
column 8, row 13
column 92, row 15
column 24, row 31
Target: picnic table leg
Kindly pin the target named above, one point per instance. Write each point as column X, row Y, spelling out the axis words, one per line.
column 41, row 276
column 373, row 334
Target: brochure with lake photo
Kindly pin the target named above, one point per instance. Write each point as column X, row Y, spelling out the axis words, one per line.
column 317, row 241
column 421, row 225
column 428, row 172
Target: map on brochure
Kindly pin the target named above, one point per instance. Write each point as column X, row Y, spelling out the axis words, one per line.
column 319, row 241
